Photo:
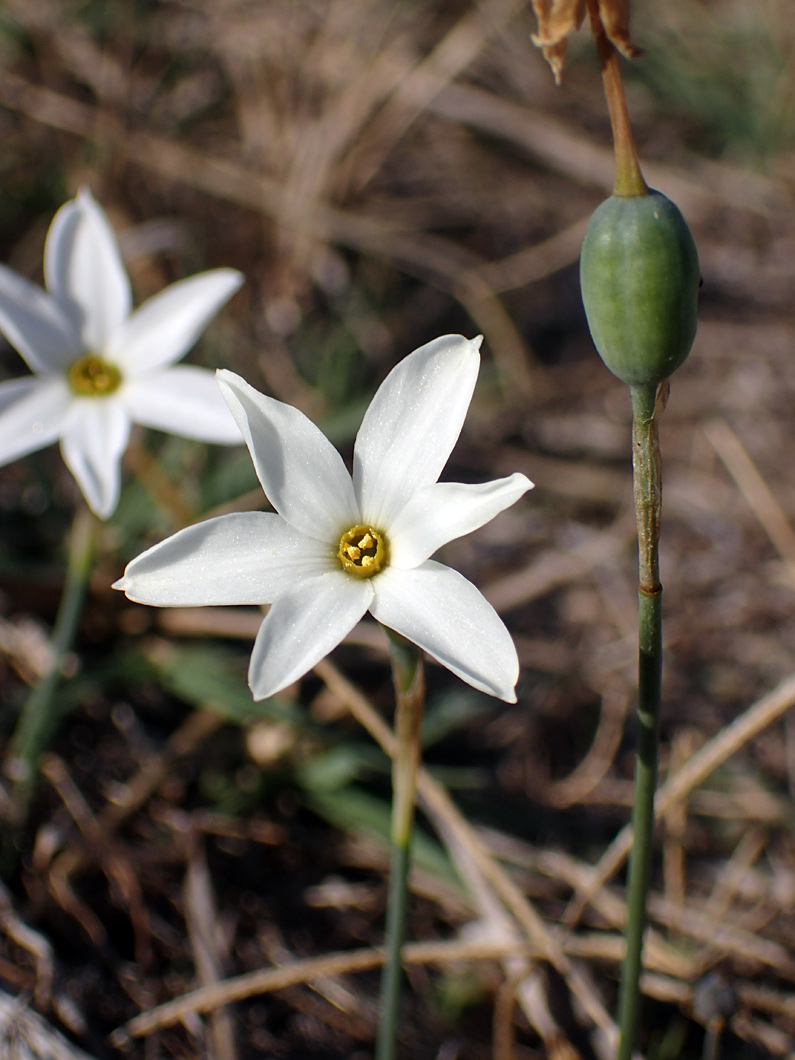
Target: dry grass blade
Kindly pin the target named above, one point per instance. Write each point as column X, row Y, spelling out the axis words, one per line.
column 553, row 569
column 747, row 851
column 593, row 768
column 537, row 261
column 268, row 980
column 722, row 937
column 24, row 1035
column 761, row 499
column 198, row 726
column 495, row 924
column 570, row 872
column 33, row 942
column 704, row 762
column 551, row 141
column 381, row 172
column 207, row 943
column 422, row 84
column 431, row 258
column 675, row 824
column 719, row 937
column 113, row 859
column 502, row 1032
column 588, row 162
column 440, row 807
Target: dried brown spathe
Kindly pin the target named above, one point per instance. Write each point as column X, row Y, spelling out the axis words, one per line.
column 558, row 18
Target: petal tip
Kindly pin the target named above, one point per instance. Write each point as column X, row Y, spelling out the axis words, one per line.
column 259, row 688
column 231, row 385
column 231, row 279
column 103, row 509
column 235, row 276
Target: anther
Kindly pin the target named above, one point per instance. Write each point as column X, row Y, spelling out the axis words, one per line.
column 363, row 551
column 90, row 376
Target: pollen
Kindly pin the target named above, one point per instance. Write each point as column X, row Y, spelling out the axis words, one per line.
column 363, row 551
column 93, row 377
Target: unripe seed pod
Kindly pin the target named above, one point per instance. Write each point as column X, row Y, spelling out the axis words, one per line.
column 639, row 277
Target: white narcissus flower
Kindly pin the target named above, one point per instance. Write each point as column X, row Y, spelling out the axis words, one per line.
column 98, row 367
column 339, row 546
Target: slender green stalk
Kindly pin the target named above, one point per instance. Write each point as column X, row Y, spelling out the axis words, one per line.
column 40, row 711
column 408, row 676
column 647, row 481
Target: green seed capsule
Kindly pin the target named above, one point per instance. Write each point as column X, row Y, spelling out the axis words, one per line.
column 639, row 277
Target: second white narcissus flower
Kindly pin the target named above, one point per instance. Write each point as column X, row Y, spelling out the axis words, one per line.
column 338, row 545
column 98, row 367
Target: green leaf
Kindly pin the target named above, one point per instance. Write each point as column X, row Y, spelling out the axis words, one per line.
column 209, row 679
column 354, row 810
column 330, row 770
column 451, row 711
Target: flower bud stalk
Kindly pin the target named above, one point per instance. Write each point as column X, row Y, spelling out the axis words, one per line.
column 629, row 178
column 40, row 712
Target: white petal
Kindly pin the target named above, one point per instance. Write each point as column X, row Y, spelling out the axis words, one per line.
column 165, row 327
column 303, row 626
column 439, row 610
column 447, row 510
column 32, row 414
column 94, row 438
column 245, row 558
column 300, row 470
column 35, row 324
column 84, row 270
column 182, row 400
column 412, row 424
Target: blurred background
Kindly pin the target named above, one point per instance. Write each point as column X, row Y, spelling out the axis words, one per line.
column 383, row 172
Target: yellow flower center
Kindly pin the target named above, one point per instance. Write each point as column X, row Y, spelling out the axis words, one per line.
column 93, row 377
column 363, row 551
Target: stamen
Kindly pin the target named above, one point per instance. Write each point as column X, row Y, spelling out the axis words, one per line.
column 363, row 551
column 90, row 376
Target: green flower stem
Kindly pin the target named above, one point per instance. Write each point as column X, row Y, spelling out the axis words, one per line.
column 40, row 711
column 408, row 675
column 647, row 480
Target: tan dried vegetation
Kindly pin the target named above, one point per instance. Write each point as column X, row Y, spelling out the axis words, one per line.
column 384, row 172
